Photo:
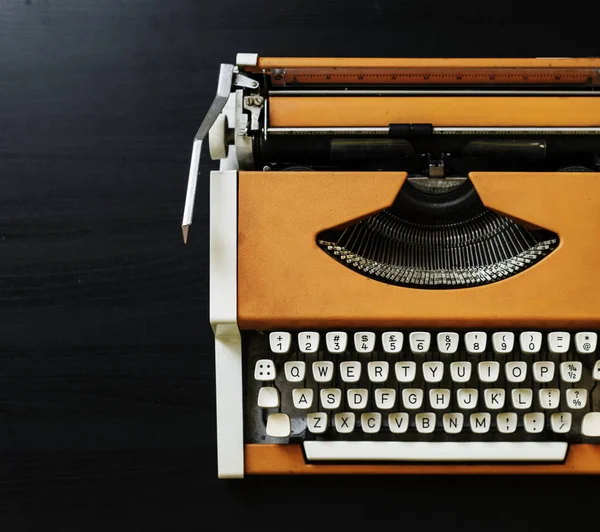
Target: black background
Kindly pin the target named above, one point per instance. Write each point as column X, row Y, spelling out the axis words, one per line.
column 106, row 365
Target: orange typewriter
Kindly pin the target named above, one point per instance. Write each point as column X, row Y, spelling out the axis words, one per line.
column 403, row 272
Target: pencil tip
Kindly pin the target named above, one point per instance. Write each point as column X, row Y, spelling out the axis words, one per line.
column 185, row 229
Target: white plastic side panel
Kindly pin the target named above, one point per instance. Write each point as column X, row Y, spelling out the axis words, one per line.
column 223, row 318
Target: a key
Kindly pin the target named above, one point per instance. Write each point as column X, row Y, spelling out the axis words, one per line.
column 405, row 371
column 308, row 342
column 522, row 398
column 596, row 371
column 350, row 371
column 371, row 422
column 385, row 398
column 460, row 371
column 480, row 422
column 344, row 422
column 533, row 422
column 586, row 342
column 560, row 422
column 302, row 398
column 392, row 341
column 279, row 426
column 503, row 342
column 419, row 342
column 433, row 371
column 494, row 398
column 364, row 342
column 506, row 422
column 549, row 398
column 571, row 371
column 467, row 398
column 576, row 398
column 439, row 398
column 331, row 398
column 425, row 422
column 357, row 398
column 294, row 371
column 264, row 370
column 488, row 371
column 475, row 342
column 412, row 398
column 543, row 371
column 337, row 341
column 322, row 371
column 447, row 342
column 516, row 371
column 378, row 371
column 530, row 342
column 280, row 342
column 558, row 342
column 453, row 423
column 316, row 422
column 268, row 397
column 398, row 422
column 590, row 426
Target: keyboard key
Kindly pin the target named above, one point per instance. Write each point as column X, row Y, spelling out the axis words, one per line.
column 558, row 342
column 392, row 341
column 378, row 371
column 331, row 398
column 530, row 342
column 467, row 398
column 350, row 371
column 522, row 398
column 419, row 342
column 576, row 398
column 308, row 342
column 357, row 398
column 337, row 341
column 561, row 422
column 303, row 398
column 264, row 370
column 439, row 398
column 549, row 398
column 506, row 422
column 385, row 398
column 596, row 372
column 371, row 422
column 268, row 397
column 494, row 398
column 364, row 342
column 590, row 426
column 316, row 422
column 533, row 422
column 516, row 371
column 294, row 371
column 344, row 422
column 480, row 422
column 503, row 342
column 398, row 422
column 279, row 426
column 453, row 423
column 488, row 371
column 425, row 422
column 460, row 371
column 447, row 342
column 280, row 342
column 543, row 371
column 571, row 371
column 412, row 398
column 586, row 342
column 475, row 342
column 322, row 371
column 405, row 371
column 433, row 371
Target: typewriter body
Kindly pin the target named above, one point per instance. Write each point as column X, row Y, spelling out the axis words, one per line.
column 404, row 275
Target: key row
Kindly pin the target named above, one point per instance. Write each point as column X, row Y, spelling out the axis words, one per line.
column 379, row 371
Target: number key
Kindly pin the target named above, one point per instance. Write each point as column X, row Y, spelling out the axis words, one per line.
column 447, row 342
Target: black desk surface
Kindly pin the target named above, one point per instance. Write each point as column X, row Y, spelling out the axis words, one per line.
column 106, row 366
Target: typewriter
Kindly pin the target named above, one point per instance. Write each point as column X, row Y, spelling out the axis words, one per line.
column 403, row 269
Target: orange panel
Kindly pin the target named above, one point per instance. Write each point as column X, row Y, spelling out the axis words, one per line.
column 292, row 111
column 285, row 280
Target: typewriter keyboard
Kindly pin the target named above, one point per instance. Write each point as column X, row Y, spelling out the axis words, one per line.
column 423, row 395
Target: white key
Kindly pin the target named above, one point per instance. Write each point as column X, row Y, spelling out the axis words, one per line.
column 337, row 341
column 506, row 422
column 419, row 342
column 308, row 342
column 371, row 422
column 460, row 371
column 364, row 342
column 350, row 370
column 453, row 423
column 357, row 398
column 590, row 426
column 480, row 422
column 398, row 422
column 405, row 371
column 516, row 371
column 392, row 341
column 447, row 342
column 294, row 371
column 385, row 398
column 596, row 372
column 530, row 342
column 280, row 342
column 522, row 398
column 534, row 422
column 425, row 422
column 316, row 422
column 268, row 397
column 475, row 342
column 279, row 426
column 331, row 398
column 543, row 371
column 378, row 371
column 576, row 398
column 558, row 342
column 488, row 371
column 503, row 342
column 433, row 371
column 571, row 371
column 323, row 371
column 467, row 398
column 586, row 342
column 303, row 398
column 561, row 422
column 549, row 398
column 494, row 398
column 264, row 370
column 344, row 422
column 412, row 398
column 439, row 398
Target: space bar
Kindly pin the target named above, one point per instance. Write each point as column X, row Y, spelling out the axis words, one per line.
column 404, row 451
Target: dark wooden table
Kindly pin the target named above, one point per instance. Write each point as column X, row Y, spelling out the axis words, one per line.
column 106, row 366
